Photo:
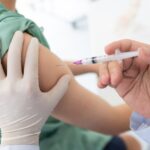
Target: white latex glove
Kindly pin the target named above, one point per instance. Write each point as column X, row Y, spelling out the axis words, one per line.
column 23, row 107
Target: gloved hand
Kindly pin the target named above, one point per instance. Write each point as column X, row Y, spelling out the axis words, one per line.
column 23, row 107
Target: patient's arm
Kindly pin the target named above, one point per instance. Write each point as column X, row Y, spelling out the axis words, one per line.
column 79, row 106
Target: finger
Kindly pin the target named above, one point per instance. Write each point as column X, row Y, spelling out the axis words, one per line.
column 104, row 72
column 58, row 91
column 115, row 70
column 2, row 74
column 144, row 55
column 14, row 57
column 122, row 45
column 31, row 63
column 104, row 75
column 117, row 51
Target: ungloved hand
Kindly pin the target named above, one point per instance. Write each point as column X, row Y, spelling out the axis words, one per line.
column 23, row 107
column 131, row 77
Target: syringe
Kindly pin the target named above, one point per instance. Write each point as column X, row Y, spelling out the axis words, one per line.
column 105, row 58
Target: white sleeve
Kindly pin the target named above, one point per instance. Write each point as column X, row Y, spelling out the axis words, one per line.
column 19, row 147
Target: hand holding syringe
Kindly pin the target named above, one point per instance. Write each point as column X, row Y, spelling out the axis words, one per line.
column 105, row 58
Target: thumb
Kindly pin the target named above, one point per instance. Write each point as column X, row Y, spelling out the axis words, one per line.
column 58, row 91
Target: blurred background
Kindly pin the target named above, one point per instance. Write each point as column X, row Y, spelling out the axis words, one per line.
column 81, row 28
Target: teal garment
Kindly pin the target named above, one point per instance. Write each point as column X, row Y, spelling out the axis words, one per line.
column 55, row 134
column 13, row 21
column 68, row 137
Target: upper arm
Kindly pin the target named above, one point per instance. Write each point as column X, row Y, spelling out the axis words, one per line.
column 51, row 68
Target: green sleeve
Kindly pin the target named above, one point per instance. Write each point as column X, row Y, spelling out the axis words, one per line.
column 10, row 22
column 57, row 135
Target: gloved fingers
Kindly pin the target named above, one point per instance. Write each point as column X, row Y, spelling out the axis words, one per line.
column 14, row 57
column 31, row 63
column 2, row 74
column 58, row 91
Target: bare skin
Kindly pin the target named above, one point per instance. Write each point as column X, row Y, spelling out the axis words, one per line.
column 10, row 4
column 131, row 142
